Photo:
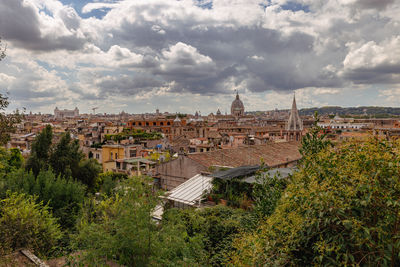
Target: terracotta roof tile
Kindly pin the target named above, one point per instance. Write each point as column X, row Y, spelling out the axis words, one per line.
column 272, row 154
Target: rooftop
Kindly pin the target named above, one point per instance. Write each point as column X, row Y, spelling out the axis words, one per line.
column 272, row 154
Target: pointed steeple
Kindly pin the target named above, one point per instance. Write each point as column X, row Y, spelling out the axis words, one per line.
column 294, row 123
column 294, row 106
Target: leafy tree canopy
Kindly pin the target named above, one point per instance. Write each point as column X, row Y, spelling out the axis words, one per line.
column 40, row 151
column 24, row 223
column 343, row 211
column 120, row 229
column 64, row 197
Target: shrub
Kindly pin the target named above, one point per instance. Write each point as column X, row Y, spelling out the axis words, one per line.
column 24, row 223
column 342, row 209
column 63, row 196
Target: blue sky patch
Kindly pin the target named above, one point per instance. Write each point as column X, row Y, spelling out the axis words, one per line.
column 293, row 6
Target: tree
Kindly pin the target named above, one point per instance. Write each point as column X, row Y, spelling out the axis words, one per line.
column 10, row 160
column 120, row 228
column 314, row 141
column 88, row 173
column 266, row 194
column 66, row 156
column 40, row 152
column 345, row 211
column 64, row 197
column 24, row 223
column 8, row 122
column 211, row 231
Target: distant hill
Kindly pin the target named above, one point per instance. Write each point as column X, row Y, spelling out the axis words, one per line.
column 363, row 112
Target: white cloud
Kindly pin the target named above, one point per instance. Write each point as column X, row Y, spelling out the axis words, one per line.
column 321, row 48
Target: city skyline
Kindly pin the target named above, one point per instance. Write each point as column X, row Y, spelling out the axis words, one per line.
column 183, row 56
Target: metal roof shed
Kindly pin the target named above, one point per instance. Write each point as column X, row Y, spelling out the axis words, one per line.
column 192, row 191
column 242, row 171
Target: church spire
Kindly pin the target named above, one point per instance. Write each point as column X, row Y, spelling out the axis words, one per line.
column 294, row 123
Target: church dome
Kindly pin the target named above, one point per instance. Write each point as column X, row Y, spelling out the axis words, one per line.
column 237, row 107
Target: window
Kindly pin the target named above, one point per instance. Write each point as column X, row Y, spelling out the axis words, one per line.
column 111, row 155
column 161, row 123
column 140, row 124
column 147, row 124
column 132, row 153
column 168, row 123
column 97, row 156
column 116, row 155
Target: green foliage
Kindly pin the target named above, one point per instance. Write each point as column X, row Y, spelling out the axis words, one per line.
column 7, row 121
column 173, row 245
column 88, row 172
column 354, row 112
column 40, row 152
column 232, row 190
column 16, row 160
column 10, row 160
column 137, row 134
column 66, row 156
column 97, row 145
column 65, row 159
column 64, row 197
column 266, row 194
column 342, row 212
column 120, row 228
column 216, row 227
column 24, row 223
column 108, row 181
column 314, row 141
column 155, row 156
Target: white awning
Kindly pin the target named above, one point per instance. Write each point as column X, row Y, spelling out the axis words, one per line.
column 191, row 191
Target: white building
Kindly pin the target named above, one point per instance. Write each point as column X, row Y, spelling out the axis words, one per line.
column 66, row 113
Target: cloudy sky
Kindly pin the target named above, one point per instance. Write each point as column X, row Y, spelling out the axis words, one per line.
column 188, row 55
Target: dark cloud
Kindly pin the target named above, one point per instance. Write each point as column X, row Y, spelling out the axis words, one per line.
column 19, row 23
column 384, row 74
column 203, row 51
column 229, row 49
column 127, row 85
column 374, row 4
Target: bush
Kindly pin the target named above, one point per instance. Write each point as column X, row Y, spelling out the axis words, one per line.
column 63, row 196
column 216, row 227
column 342, row 208
column 119, row 228
column 24, row 223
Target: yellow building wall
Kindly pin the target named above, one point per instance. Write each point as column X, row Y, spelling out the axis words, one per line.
column 106, row 155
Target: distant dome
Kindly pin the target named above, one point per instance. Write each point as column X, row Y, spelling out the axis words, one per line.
column 237, row 107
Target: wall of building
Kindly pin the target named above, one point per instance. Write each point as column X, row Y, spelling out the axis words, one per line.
column 177, row 171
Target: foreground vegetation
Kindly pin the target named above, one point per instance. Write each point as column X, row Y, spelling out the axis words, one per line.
column 340, row 208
